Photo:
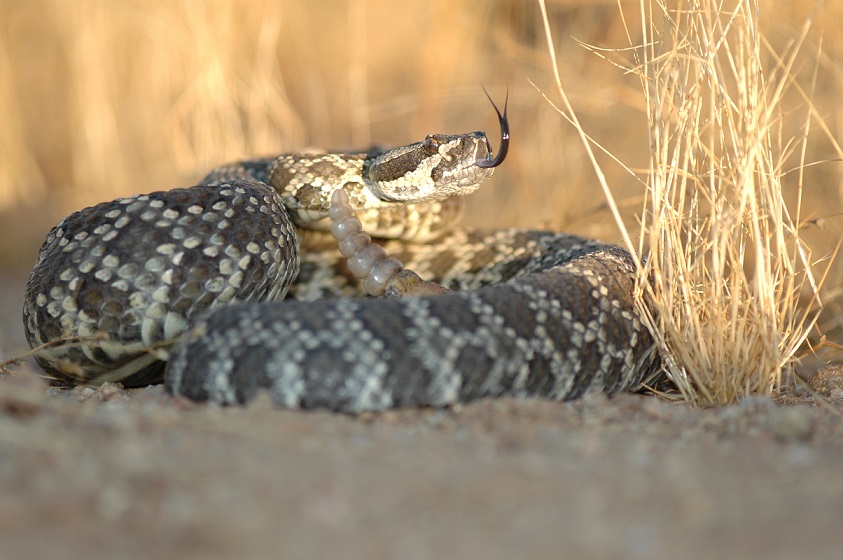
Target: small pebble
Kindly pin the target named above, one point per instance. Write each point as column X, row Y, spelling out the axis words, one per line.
column 828, row 381
column 793, row 423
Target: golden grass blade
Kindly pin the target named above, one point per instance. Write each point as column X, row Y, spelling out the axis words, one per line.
column 584, row 138
column 723, row 287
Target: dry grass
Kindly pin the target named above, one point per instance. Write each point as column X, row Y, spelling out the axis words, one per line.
column 106, row 99
column 727, row 287
column 732, row 284
column 102, row 99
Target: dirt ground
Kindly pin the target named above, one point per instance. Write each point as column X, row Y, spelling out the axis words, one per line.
column 116, row 474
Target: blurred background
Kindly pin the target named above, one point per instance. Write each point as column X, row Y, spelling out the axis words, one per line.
column 101, row 99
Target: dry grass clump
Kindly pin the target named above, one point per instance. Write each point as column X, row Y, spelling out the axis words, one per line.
column 731, row 279
column 727, row 289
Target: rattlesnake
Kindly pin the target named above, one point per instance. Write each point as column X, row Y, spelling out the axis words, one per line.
column 121, row 287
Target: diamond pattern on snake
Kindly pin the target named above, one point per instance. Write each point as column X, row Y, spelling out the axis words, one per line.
column 236, row 286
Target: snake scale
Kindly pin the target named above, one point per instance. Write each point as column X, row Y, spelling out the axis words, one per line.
column 191, row 286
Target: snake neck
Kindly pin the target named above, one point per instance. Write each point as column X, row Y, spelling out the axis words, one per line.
column 306, row 182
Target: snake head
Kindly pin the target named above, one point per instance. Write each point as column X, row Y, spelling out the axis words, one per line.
column 440, row 166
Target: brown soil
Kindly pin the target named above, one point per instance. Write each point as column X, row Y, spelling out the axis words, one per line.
column 117, row 474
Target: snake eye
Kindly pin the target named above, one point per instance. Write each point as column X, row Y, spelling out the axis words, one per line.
column 430, row 145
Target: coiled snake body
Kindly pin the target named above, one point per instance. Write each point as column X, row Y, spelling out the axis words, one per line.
column 124, row 288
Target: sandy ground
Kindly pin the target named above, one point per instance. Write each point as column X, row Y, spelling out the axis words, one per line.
column 114, row 474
